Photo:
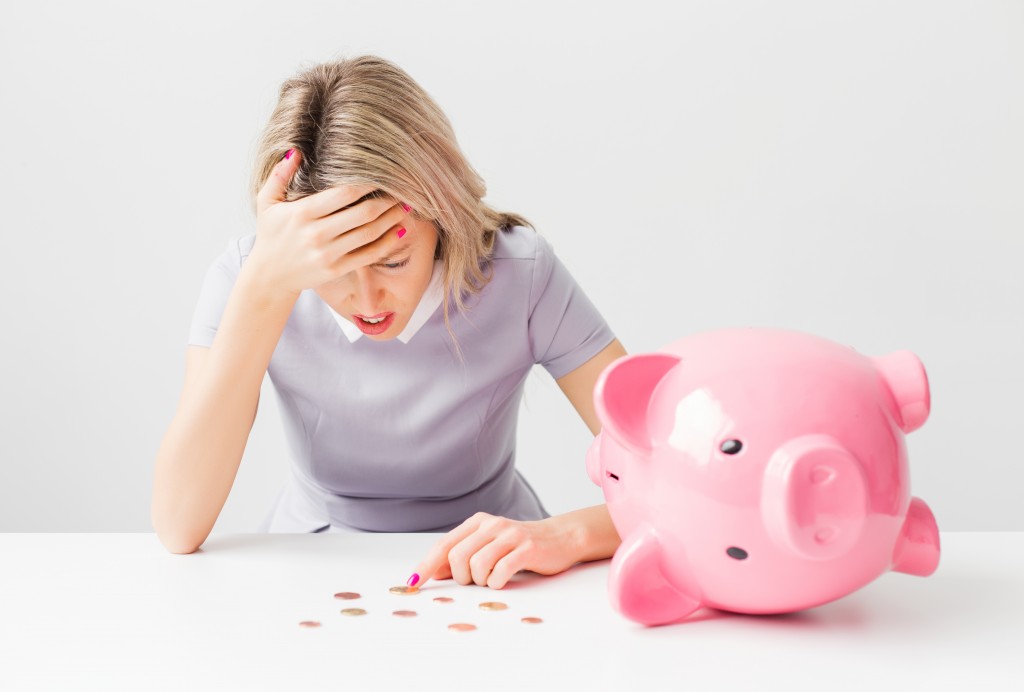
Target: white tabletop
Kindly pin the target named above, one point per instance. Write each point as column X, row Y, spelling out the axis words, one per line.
column 118, row 612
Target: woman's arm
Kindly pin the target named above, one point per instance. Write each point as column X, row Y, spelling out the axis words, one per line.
column 488, row 550
column 597, row 537
column 199, row 457
column 299, row 245
column 578, row 385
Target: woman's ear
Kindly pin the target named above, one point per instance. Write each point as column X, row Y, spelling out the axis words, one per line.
column 439, row 245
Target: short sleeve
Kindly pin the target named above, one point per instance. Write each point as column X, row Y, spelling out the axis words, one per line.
column 566, row 330
column 217, row 284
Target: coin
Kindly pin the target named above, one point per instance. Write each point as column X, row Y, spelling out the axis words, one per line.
column 461, row 627
column 405, row 590
column 405, row 613
column 531, row 620
column 353, row 611
column 347, row 595
column 443, row 599
column 309, row 623
column 493, row 605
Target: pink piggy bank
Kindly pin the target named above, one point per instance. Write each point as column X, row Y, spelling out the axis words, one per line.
column 758, row 471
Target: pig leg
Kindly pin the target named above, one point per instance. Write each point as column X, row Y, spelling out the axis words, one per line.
column 638, row 587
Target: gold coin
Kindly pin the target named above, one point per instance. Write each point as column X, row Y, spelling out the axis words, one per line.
column 353, row 611
column 309, row 623
column 493, row 605
column 405, row 590
column 347, row 595
column 461, row 627
column 531, row 621
column 443, row 599
column 405, row 613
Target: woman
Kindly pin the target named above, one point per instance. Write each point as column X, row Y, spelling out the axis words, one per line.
column 397, row 315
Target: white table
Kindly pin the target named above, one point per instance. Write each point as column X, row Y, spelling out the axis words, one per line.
column 118, row 612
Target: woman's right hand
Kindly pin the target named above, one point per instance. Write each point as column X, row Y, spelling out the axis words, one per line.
column 308, row 242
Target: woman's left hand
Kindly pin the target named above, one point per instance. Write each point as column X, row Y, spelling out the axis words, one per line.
column 487, row 550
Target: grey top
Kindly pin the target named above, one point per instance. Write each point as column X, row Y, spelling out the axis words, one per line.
column 401, row 435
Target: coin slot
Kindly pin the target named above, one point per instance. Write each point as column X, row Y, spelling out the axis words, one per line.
column 612, row 476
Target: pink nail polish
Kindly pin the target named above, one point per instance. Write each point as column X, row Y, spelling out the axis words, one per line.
column 406, row 207
column 401, row 232
column 289, row 154
column 413, row 580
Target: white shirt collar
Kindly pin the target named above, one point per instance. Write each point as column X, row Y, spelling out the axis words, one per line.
column 428, row 305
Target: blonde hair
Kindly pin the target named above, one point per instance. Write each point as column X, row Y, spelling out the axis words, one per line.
column 364, row 121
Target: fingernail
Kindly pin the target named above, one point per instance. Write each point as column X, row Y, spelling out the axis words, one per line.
column 406, row 207
column 413, row 580
column 289, row 154
column 401, row 232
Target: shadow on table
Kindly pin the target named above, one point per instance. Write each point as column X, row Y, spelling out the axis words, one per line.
column 525, row 579
column 907, row 608
column 846, row 617
column 232, row 542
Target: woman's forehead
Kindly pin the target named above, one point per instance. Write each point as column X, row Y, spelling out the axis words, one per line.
column 373, row 194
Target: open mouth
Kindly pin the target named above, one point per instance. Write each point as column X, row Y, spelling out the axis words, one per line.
column 374, row 324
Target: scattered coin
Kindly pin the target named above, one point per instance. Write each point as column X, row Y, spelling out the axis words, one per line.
column 531, row 620
column 406, row 590
column 347, row 595
column 493, row 605
column 461, row 627
column 309, row 623
column 353, row 611
column 443, row 599
column 405, row 613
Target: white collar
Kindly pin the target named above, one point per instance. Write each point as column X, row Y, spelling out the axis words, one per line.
column 428, row 305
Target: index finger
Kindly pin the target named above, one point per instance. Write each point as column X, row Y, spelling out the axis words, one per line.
column 437, row 556
column 333, row 199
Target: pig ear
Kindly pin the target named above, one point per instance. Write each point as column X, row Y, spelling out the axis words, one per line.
column 638, row 588
column 623, row 391
column 906, row 379
column 814, row 500
column 917, row 549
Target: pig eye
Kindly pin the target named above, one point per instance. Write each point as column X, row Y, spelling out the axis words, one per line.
column 731, row 446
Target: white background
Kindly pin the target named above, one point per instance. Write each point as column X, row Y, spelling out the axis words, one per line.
column 851, row 169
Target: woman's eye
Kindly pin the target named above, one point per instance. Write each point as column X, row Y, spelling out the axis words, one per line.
column 395, row 265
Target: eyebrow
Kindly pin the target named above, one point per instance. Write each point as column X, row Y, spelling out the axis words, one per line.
column 397, row 251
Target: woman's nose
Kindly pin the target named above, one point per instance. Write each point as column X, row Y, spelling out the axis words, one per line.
column 368, row 293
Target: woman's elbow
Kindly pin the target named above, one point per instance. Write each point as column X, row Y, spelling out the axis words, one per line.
column 176, row 541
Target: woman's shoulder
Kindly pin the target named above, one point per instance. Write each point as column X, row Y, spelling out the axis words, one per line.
column 241, row 245
column 520, row 243
column 524, row 258
column 238, row 248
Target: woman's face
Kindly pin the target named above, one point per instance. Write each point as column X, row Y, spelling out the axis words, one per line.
column 390, row 288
